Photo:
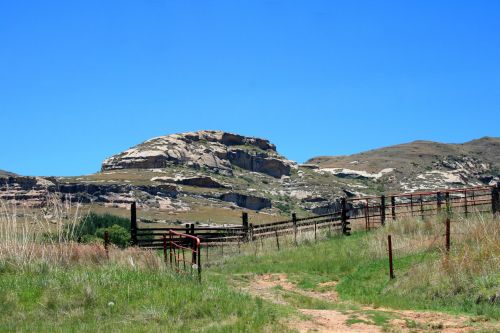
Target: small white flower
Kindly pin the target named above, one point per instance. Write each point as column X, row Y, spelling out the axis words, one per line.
column 111, row 303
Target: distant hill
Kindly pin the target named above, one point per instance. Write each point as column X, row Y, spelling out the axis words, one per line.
column 424, row 164
column 4, row 173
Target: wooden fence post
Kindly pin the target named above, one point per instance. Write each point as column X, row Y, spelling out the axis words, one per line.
column 495, row 200
column 133, row 224
column 192, row 229
column 391, row 267
column 345, row 224
column 382, row 209
column 294, row 221
column 277, row 239
column 244, row 222
column 393, row 208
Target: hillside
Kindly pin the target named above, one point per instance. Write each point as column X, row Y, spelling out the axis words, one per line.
column 422, row 164
column 4, row 173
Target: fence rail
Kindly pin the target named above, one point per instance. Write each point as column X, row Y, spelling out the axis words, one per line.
column 373, row 211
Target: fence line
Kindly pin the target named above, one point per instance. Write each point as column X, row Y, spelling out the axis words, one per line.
column 372, row 210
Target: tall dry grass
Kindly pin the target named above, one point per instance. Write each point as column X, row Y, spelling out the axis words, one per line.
column 470, row 271
column 46, row 236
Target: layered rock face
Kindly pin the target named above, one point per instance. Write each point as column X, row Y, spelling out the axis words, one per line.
column 216, row 151
column 36, row 191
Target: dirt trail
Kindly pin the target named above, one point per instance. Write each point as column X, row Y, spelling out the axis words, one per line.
column 341, row 317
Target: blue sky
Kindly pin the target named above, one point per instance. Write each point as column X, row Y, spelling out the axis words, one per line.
column 82, row 80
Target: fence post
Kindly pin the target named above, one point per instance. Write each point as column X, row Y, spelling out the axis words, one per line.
column 294, row 221
column 244, row 222
column 133, row 224
column 277, row 239
column 345, row 225
column 192, row 229
column 447, row 235
column 106, row 243
column 382, row 209
column 393, row 208
column 495, row 200
column 391, row 267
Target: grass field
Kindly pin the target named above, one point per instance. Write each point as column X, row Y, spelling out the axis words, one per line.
column 74, row 287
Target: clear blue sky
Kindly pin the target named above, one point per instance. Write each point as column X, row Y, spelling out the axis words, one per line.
column 82, row 80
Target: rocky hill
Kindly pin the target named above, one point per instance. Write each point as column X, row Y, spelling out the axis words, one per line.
column 421, row 164
column 210, row 176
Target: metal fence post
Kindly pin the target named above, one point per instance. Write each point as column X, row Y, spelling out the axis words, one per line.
column 391, row 267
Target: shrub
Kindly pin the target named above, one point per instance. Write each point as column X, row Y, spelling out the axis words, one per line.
column 118, row 235
column 92, row 227
column 92, row 222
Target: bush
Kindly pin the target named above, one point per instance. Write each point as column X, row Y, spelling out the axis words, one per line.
column 118, row 235
column 92, row 222
column 92, row 227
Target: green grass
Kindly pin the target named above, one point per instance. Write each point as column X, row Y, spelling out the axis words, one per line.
column 421, row 280
column 113, row 298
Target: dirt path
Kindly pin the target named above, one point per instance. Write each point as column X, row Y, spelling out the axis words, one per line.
column 322, row 311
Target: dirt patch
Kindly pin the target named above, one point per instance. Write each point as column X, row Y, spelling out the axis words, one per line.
column 273, row 287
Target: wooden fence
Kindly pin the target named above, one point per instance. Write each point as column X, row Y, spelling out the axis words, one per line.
column 372, row 211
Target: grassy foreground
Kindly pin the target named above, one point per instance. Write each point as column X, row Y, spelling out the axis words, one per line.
column 111, row 298
column 61, row 287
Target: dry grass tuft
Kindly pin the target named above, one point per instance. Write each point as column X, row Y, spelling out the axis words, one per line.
column 46, row 237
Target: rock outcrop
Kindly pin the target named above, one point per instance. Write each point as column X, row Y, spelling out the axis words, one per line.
column 216, row 151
